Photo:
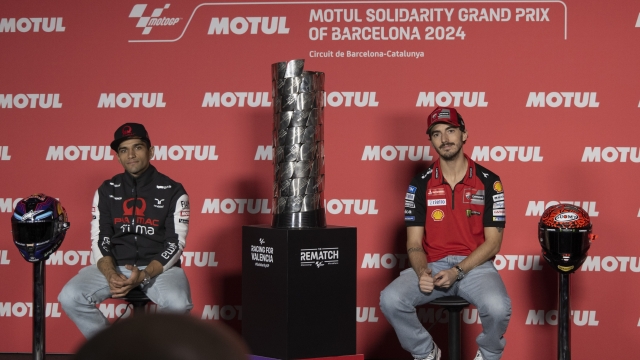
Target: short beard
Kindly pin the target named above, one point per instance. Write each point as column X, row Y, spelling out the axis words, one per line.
column 449, row 157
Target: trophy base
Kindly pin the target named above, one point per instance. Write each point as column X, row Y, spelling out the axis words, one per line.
column 307, row 219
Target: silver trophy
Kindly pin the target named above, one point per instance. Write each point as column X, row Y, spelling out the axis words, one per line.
column 298, row 146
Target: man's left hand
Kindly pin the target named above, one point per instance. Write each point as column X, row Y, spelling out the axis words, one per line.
column 446, row 278
column 133, row 281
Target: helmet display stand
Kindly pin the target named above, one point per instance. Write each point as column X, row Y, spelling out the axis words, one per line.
column 38, row 226
column 564, row 232
column 39, row 310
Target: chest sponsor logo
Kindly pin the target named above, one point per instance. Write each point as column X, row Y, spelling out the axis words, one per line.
column 497, row 186
column 437, row 215
column 435, row 192
column 473, row 196
column 472, row 212
column 436, row 202
column 133, row 218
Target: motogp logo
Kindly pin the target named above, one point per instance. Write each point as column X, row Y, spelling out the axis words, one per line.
column 566, row 217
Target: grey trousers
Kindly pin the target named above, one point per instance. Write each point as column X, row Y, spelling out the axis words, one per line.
column 482, row 287
column 169, row 291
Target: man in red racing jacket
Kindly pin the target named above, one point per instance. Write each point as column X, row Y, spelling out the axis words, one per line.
column 140, row 223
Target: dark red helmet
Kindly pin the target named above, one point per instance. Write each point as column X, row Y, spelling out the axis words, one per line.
column 565, row 235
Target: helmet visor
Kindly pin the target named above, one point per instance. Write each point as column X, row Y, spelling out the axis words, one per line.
column 568, row 243
column 32, row 232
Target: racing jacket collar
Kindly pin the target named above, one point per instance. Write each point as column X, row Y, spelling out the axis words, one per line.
column 141, row 180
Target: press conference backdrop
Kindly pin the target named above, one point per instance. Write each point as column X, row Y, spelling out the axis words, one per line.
column 548, row 89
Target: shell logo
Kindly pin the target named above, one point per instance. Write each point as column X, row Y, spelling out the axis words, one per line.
column 437, row 215
column 497, row 186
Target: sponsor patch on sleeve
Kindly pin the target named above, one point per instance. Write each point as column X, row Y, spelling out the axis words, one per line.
column 498, row 197
column 499, row 212
column 409, row 218
column 498, row 205
column 409, row 204
column 410, row 197
column 412, row 189
column 497, row 186
column 498, row 218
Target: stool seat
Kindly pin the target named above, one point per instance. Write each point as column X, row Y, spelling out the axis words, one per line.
column 138, row 299
column 453, row 304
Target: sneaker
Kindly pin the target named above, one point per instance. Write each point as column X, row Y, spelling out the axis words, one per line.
column 434, row 354
column 478, row 356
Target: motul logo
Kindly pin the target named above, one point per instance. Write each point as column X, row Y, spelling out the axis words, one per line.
column 33, row 101
column 455, row 98
column 233, row 206
column 509, row 153
column 7, row 204
column 387, row 261
column 125, row 100
column 566, row 99
column 344, row 206
column 255, row 25
column 611, row 154
column 264, row 153
column 580, row 317
column 72, row 153
column 236, row 99
column 4, row 153
column 225, row 312
column 122, row 311
column 185, row 152
column 536, row 208
column 366, row 314
column 611, row 263
column 4, row 260
column 400, row 153
column 21, row 309
column 522, row 262
column 199, row 259
column 347, row 98
column 31, row 24
column 71, row 258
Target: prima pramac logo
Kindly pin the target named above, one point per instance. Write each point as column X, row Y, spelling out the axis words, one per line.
column 155, row 19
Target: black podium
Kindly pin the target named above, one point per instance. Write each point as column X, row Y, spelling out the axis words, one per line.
column 299, row 291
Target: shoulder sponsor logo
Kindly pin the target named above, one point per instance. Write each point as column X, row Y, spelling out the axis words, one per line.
column 236, row 99
column 115, row 197
column 437, row 215
column 4, row 153
column 163, row 187
column 436, row 202
column 499, row 212
column 34, row 24
column 409, row 196
column 568, row 99
column 33, row 101
column 412, row 189
column 611, row 154
column 485, row 174
column 427, row 173
column 398, row 152
column 114, row 184
column 498, row 197
column 497, row 186
column 125, row 100
column 466, row 99
column 536, row 208
column 509, row 153
column 147, row 22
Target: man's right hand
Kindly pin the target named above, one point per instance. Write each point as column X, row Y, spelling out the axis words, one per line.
column 116, row 282
column 426, row 281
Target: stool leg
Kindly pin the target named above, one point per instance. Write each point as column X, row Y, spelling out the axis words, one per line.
column 454, row 333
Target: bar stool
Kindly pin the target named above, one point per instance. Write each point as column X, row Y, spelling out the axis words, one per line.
column 138, row 299
column 454, row 305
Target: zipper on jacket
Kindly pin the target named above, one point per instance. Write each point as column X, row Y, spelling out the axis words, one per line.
column 133, row 220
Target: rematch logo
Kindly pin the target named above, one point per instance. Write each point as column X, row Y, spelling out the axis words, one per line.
column 147, row 22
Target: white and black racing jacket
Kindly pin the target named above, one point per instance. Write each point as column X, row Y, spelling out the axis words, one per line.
column 136, row 220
